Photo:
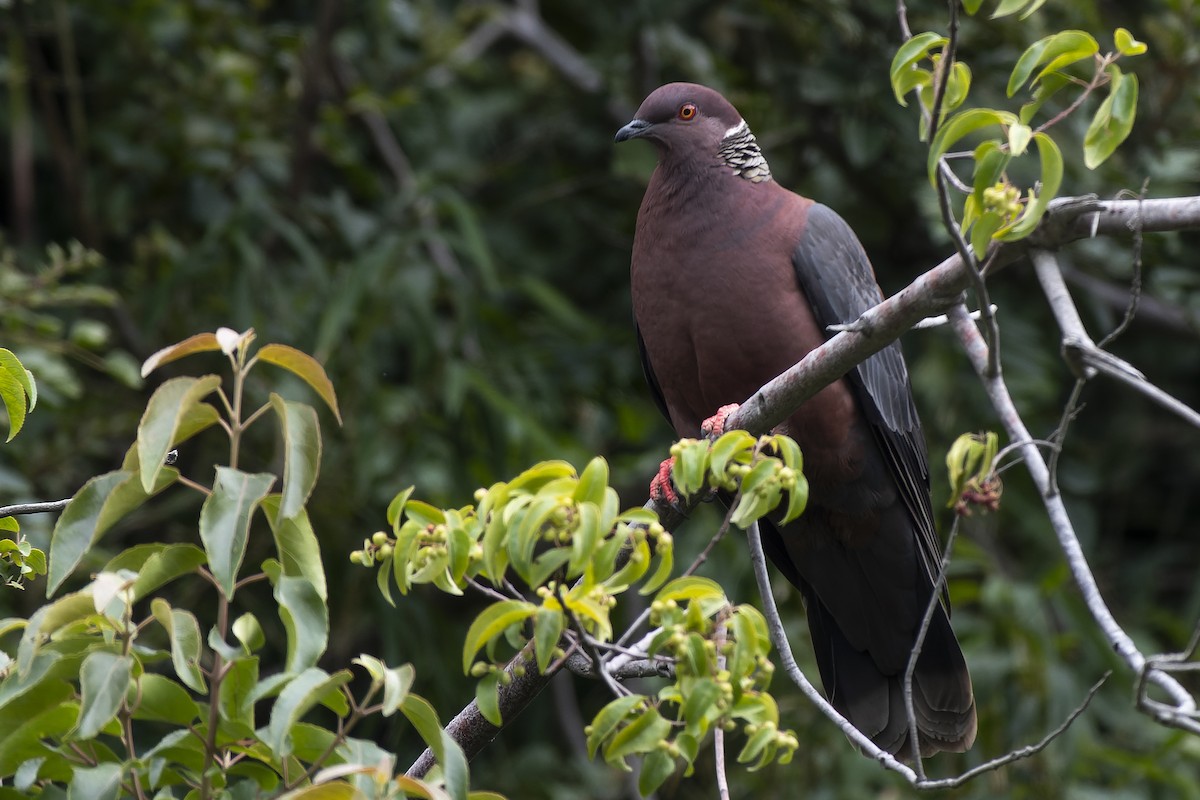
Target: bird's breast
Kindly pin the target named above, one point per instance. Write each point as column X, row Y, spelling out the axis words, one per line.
column 721, row 313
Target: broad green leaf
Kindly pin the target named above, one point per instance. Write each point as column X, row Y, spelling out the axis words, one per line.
column 1113, row 120
column 424, row 513
column 301, row 453
column 756, row 708
column 101, row 782
column 589, row 610
column 296, row 544
column 306, row 368
column 76, row 528
column 635, row 567
column 730, row 446
column 200, row 343
column 1047, row 87
column 908, row 56
column 957, row 87
column 608, row 718
column 411, row 787
column 758, row 746
column 397, row 683
column 306, row 620
column 960, row 125
column 225, row 522
column 157, row 697
column 170, row 404
column 539, row 475
column 449, row 755
column 523, row 540
column 585, row 537
column 164, row 566
column 592, row 482
column 797, row 499
column 23, row 738
column 657, row 766
column 1060, row 49
column 494, row 620
column 237, row 689
column 300, row 694
column 1126, row 44
column 971, row 6
column 640, row 736
column 700, row 707
column 547, row 629
column 487, row 698
column 103, row 679
column 184, row 632
column 37, row 698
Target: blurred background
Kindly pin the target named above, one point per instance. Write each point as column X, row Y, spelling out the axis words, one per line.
column 425, row 195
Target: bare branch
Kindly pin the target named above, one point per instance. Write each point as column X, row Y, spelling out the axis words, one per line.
column 33, row 508
column 1069, row 543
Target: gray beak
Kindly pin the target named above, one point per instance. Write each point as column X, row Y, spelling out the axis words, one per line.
column 635, row 128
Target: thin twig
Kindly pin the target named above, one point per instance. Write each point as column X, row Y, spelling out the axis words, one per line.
column 1135, row 287
column 718, row 731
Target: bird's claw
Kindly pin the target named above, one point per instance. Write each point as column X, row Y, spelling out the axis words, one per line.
column 714, row 426
column 662, row 491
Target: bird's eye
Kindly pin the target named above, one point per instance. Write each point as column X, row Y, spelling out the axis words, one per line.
column 687, row 111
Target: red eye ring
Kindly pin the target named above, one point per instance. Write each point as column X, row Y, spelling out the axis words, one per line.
column 688, row 111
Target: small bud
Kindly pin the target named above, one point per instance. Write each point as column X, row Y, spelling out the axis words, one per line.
column 356, row 557
column 378, row 538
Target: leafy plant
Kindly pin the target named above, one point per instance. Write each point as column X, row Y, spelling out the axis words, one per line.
column 98, row 673
column 562, row 535
column 995, row 207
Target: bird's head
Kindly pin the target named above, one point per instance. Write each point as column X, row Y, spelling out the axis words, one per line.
column 692, row 123
column 682, row 115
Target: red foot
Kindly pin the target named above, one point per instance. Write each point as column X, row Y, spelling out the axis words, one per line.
column 661, row 490
column 714, row 426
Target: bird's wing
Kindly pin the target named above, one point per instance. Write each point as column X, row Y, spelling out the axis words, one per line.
column 655, row 390
column 837, row 279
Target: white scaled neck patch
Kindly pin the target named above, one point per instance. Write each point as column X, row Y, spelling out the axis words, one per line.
column 740, row 152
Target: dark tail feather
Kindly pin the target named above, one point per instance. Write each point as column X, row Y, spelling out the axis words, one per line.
column 943, row 703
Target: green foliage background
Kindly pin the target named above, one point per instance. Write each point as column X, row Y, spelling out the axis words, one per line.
column 438, row 214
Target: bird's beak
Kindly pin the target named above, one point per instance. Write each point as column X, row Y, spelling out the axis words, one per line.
column 635, row 128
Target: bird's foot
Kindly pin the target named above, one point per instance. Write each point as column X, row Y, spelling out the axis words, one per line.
column 714, row 426
column 662, row 490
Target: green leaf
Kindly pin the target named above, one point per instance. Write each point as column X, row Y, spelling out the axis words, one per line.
column 101, row 782
column 640, row 736
column 1052, row 172
column 225, row 522
column 960, row 125
column 237, row 688
column 731, row 446
column 305, row 618
column 1019, row 136
column 48, row 619
column 159, row 427
column 585, row 538
column 200, row 343
column 691, row 461
column 184, row 632
column 15, row 390
column 691, row 587
column 592, row 482
column 164, row 566
column 158, row 698
column 301, row 453
column 487, row 697
column 249, row 632
column 701, row 706
column 1007, row 7
column 397, row 682
column 305, row 367
column 904, row 63
column 1060, row 50
column 957, row 87
column 666, row 563
column 449, row 755
column 395, row 508
column 656, row 768
column 103, row 678
column 971, row 6
column 608, row 718
column 547, row 630
column 1126, row 44
column 983, row 230
column 494, row 620
column 76, row 527
column 1113, row 120
column 296, row 544
column 1046, row 88
column 298, row 696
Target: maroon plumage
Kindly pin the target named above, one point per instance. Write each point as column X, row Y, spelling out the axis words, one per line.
column 735, row 279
